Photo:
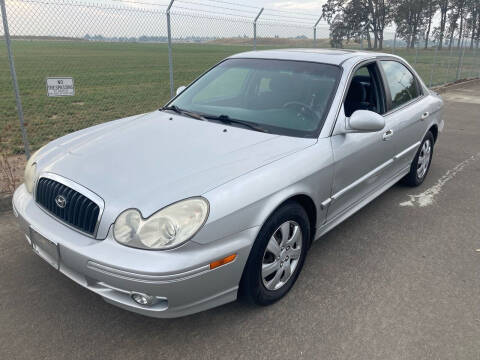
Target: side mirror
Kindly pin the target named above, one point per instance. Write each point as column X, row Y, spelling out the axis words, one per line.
column 180, row 89
column 364, row 121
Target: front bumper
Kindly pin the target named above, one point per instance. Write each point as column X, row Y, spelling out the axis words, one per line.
column 180, row 278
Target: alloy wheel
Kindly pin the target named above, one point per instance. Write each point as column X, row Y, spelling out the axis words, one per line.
column 282, row 255
column 424, row 159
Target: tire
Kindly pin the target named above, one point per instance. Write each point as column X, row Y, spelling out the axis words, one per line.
column 289, row 227
column 421, row 164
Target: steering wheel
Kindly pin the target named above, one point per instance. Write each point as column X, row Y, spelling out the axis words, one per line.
column 302, row 109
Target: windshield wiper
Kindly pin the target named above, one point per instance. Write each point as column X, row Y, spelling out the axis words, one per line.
column 228, row 120
column 176, row 109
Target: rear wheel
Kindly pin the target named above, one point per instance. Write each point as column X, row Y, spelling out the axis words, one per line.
column 421, row 162
column 277, row 255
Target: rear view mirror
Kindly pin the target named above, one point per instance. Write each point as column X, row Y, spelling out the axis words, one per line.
column 365, row 121
column 180, row 89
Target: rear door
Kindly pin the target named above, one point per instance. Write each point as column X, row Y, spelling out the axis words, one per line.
column 408, row 110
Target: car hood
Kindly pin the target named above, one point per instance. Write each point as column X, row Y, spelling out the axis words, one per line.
column 152, row 160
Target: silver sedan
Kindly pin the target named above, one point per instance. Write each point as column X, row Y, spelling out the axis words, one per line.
column 220, row 193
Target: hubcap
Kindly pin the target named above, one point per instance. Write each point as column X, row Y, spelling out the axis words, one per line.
column 424, row 159
column 282, row 255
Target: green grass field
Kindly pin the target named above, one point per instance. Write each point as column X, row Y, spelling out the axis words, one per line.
column 114, row 80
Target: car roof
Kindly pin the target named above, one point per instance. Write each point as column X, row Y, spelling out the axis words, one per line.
column 325, row 56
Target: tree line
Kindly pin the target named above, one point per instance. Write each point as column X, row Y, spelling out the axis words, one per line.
column 422, row 22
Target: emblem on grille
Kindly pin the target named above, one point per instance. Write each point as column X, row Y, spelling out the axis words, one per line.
column 61, row 201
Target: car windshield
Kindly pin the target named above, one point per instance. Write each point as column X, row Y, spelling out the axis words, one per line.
column 278, row 96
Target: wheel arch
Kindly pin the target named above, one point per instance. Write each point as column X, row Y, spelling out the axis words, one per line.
column 434, row 130
column 305, row 201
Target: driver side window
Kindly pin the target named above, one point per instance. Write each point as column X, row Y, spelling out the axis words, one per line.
column 365, row 91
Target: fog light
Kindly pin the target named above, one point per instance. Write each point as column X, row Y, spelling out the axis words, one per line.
column 144, row 299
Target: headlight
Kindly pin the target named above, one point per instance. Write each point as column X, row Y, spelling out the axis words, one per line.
column 165, row 229
column 30, row 171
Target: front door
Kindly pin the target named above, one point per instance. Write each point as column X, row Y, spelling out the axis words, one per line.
column 363, row 161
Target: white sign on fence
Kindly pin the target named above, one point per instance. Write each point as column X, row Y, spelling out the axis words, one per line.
column 60, row 87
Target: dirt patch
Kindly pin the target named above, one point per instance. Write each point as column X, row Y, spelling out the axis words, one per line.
column 11, row 172
column 78, row 103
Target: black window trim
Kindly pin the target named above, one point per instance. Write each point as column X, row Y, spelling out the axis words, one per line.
column 358, row 65
column 380, row 82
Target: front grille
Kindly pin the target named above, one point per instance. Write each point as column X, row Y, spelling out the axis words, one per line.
column 67, row 204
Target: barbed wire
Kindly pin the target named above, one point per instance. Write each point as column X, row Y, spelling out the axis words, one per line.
column 210, row 12
column 140, row 3
column 213, row 6
column 290, row 17
column 232, row 3
column 268, row 19
column 265, row 8
column 91, row 5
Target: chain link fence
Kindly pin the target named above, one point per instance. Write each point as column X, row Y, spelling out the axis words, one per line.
column 118, row 54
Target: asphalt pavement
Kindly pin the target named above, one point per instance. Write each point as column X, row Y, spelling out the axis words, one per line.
column 396, row 281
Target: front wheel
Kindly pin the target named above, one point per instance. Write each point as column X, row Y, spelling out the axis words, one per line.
column 277, row 255
column 421, row 162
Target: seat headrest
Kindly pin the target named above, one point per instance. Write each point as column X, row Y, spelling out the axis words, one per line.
column 357, row 92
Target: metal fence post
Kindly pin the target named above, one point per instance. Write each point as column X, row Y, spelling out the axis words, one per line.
column 315, row 32
column 170, row 61
column 478, row 65
column 460, row 60
column 416, row 44
column 255, row 29
column 14, row 79
column 433, row 66
column 449, row 61
column 394, row 41
column 474, row 61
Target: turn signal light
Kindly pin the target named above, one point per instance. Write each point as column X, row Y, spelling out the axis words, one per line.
column 223, row 261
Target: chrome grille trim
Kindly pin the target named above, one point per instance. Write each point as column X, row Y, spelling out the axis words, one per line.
column 86, row 193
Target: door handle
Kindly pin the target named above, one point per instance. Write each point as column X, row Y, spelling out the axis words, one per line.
column 425, row 115
column 388, row 134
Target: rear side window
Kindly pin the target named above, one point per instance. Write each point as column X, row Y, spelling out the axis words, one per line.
column 401, row 82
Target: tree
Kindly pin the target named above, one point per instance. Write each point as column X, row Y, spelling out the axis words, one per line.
column 409, row 16
column 472, row 19
column 413, row 19
column 360, row 18
column 460, row 6
column 430, row 10
column 452, row 25
column 338, row 31
column 444, row 6
column 381, row 14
